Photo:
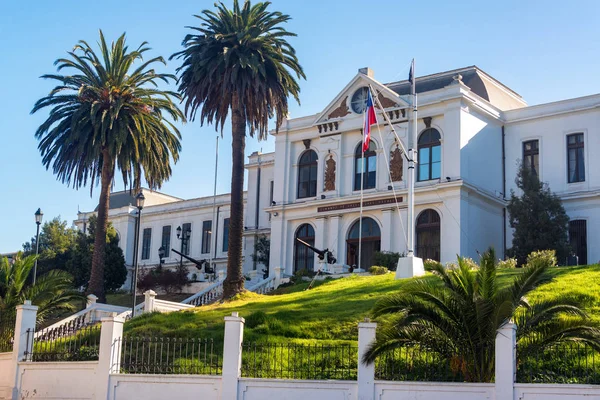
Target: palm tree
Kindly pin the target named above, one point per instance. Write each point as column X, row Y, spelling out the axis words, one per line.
column 52, row 291
column 109, row 114
column 457, row 316
column 238, row 60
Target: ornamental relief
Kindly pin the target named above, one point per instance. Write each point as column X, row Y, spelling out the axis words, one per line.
column 330, row 173
column 341, row 111
column 396, row 164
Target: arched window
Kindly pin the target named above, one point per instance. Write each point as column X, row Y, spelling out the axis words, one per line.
column 428, row 235
column 304, row 257
column 307, row 175
column 430, row 155
column 371, row 242
column 369, row 171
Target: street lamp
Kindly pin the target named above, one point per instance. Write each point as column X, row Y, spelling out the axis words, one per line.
column 139, row 203
column 161, row 254
column 38, row 221
column 184, row 237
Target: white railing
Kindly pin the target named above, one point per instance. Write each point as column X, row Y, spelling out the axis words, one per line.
column 126, row 315
column 90, row 315
column 263, row 287
column 209, row 295
column 164, row 306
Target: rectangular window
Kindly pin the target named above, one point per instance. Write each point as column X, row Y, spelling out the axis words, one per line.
column 270, row 193
column 531, row 155
column 206, row 234
column 147, row 236
column 186, row 233
column 575, row 162
column 166, row 240
column 226, row 233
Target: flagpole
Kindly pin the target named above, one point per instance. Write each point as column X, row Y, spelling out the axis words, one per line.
column 412, row 156
column 212, row 228
column 362, row 181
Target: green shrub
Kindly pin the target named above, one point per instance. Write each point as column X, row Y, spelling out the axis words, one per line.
column 547, row 257
column 255, row 319
column 387, row 259
column 429, row 264
column 378, row 270
column 509, row 263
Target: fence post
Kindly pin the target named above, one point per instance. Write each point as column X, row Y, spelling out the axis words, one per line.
column 277, row 272
column 366, row 373
column 506, row 357
column 150, row 296
column 22, row 341
column 220, row 275
column 109, row 354
column 232, row 356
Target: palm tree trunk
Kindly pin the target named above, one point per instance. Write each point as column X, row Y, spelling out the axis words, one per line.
column 234, row 282
column 96, row 283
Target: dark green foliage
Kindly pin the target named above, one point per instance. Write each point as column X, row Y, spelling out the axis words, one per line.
column 262, row 251
column 378, row 270
column 458, row 316
column 167, row 280
column 388, row 259
column 79, row 263
column 538, row 218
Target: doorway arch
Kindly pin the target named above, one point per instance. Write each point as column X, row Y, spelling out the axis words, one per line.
column 371, row 242
column 428, row 235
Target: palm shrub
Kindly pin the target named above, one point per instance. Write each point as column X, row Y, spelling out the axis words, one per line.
column 457, row 315
column 238, row 63
column 108, row 113
column 52, row 292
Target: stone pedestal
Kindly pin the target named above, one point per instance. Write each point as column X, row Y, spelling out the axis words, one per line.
column 409, row 267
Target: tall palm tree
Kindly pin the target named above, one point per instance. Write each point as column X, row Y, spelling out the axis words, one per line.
column 109, row 114
column 457, row 316
column 52, row 291
column 239, row 60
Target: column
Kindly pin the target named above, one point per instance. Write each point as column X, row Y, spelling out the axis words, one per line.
column 506, row 356
column 232, row 356
column 109, row 357
column 23, row 341
column 320, row 240
column 386, row 229
column 149, row 297
column 366, row 373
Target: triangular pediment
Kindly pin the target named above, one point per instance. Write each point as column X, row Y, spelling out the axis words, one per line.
column 339, row 108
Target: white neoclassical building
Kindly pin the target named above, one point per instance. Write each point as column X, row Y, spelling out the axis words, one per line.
column 473, row 132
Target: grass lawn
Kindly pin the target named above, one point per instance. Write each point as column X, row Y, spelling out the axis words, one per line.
column 330, row 312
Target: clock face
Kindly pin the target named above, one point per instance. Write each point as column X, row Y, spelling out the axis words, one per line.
column 359, row 100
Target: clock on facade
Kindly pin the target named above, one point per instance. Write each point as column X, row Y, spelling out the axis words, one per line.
column 359, row 100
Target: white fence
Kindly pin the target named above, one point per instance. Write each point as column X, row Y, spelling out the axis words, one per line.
column 105, row 378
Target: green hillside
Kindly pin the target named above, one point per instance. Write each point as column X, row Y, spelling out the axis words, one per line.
column 331, row 310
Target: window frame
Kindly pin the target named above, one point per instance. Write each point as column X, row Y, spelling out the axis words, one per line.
column 525, row 153
column 206, row 237
column 185, row 243
column 306, row 255
column 166, row 246
column 428, row 145
column 578, row 162
column 311, row 165
column 358, row 156
column 146, row 243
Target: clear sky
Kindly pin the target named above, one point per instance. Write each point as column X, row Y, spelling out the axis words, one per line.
column 544, row 50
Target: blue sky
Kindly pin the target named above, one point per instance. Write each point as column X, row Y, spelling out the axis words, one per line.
column 545, row 52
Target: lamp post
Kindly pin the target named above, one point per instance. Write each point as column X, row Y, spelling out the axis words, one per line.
column 161, row 254
column 184, row 237
column 38, row 221
column 139, row 203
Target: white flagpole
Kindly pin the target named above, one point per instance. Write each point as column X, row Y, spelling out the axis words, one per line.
column 212, row 228
column 412, row 158
column 362, row 180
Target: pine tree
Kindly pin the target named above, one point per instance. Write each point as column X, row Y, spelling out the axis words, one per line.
column 538, row 218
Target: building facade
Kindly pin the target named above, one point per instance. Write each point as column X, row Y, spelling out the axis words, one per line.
column 473, row 131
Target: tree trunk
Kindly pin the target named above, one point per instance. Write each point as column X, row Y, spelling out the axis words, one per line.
column 234, row 282
column 96, row 284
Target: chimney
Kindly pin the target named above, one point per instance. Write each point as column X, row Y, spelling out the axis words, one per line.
column 367, row 71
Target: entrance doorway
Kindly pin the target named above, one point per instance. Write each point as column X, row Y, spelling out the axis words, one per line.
column 371, row 242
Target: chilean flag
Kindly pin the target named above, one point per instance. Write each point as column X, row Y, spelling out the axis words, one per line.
column 370, row 119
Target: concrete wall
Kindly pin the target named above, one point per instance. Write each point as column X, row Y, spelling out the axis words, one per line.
column 259, row 389
column 5, row 375
column 159, row 387
column 57, row 380
column 556, row 392
column 433, row 391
